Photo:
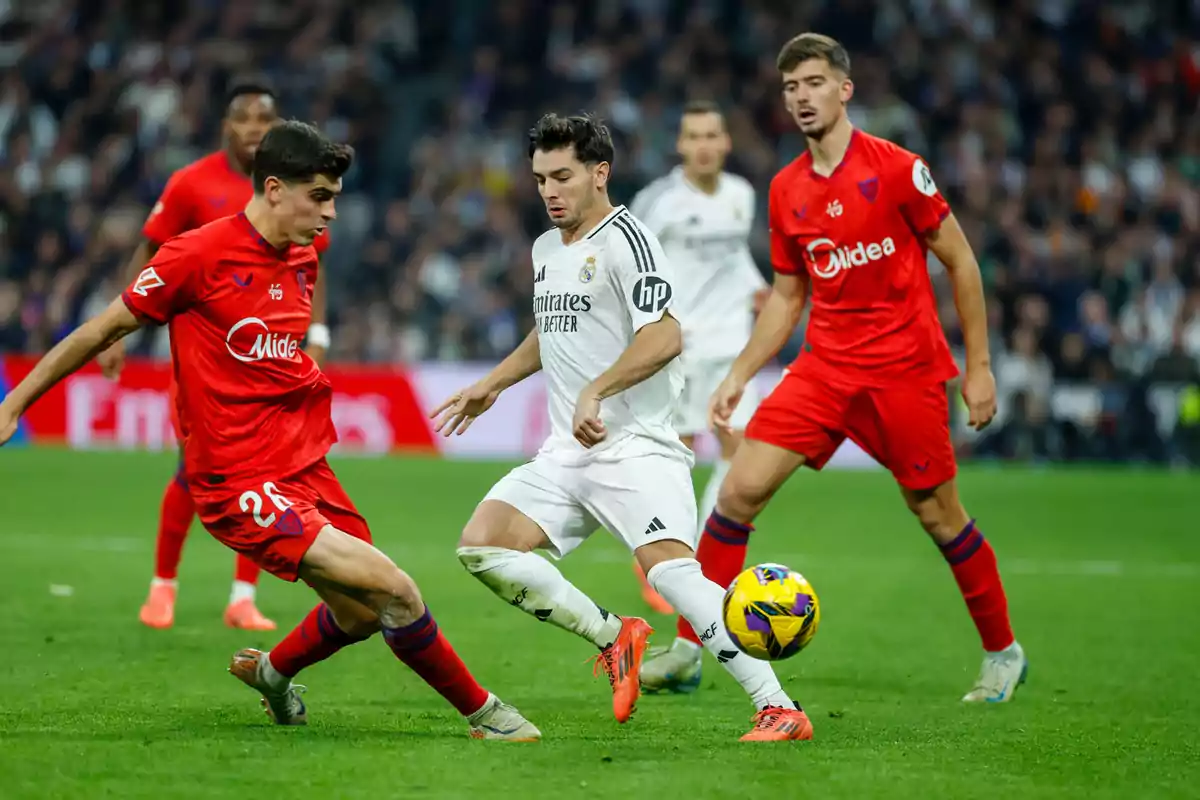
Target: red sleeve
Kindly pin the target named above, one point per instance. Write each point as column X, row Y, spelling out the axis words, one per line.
column 168, row 285
column 321, row 243
column 920, row 202
column 172, row 214
column 785, row 258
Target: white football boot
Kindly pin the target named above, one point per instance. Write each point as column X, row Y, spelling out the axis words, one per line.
column 999, row 676
column 498, row 720
column 280, row 697
column 676, row 669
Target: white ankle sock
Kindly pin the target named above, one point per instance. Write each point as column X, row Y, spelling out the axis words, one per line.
column 242, row 591
column 534, row 585
column 708, row 500
column 698, row 599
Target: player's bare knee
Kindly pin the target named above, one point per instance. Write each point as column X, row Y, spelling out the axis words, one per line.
column 497, row 524
column 400, row 602
column 651, row 555
column 741, row 498
column 938, row 510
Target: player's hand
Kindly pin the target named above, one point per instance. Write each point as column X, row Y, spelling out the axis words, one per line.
column 723, row 402
column 317, row 354
column 8, row 423
column 112, row 360
column 588, row 428
column 979, row 393
column 460, row 409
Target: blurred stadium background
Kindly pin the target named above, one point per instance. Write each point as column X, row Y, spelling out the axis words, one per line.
column 1064, row 132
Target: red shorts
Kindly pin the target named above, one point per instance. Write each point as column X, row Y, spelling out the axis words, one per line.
column 273, row 523
column 905, row 428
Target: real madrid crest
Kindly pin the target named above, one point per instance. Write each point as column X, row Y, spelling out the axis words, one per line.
column 588, row 270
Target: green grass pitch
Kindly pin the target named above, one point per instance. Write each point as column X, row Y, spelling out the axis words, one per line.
column 1102, row 570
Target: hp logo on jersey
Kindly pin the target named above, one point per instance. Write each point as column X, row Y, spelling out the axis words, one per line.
column 651, row 294
column 828, row 259
column 265, row 344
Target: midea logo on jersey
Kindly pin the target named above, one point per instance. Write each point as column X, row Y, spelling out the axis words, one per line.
column 265, row 345
column 841, row 258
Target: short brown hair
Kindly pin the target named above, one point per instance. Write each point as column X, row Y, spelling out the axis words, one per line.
column 702, row 107
column 808, row 46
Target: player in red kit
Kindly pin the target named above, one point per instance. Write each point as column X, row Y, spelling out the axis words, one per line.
column 851, row 223
column 255, row 413
column 206, row 190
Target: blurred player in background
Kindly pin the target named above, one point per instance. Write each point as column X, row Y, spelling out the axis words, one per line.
column 702, row 216
column 851, row 222
column 213, row 187
column 606, row 338
column 255, row 413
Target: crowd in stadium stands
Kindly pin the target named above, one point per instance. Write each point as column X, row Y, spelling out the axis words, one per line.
column 1065, row 133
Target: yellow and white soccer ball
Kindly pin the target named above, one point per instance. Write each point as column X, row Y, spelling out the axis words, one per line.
column 771, row 612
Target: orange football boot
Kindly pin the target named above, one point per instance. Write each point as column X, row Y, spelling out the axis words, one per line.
column 244, row 615
column 775, row 724
column 653, row 599
column 159, row 609
column 622, row 661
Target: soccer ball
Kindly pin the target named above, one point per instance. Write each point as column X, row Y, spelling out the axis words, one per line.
column 771, row 612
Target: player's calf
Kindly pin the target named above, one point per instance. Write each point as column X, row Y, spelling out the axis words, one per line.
column 973, row 563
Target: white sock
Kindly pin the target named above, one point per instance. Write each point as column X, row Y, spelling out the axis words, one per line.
column 698, row 599
column 534, row 585
column 708, row 500
column 174, row 584
column 274, row 678
column 242, row 591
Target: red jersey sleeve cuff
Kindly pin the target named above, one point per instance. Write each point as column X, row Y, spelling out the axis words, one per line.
column 141, row 314
column 784, row 269
column 935, row 224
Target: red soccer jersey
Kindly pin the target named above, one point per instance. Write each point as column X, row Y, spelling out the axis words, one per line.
column 859, row 235
column 202, row 192
column 253, row 405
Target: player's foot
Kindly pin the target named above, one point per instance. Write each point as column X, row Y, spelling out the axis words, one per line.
column 280, row 698
column 622, row 661
column 653, row 599
column 244, row 615
column 775, row 724
column 675, row 669
column 999, row 676
column 159, row 609
column 498, row 720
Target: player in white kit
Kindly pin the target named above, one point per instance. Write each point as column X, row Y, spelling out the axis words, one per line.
column 702, row 216
column 608, row 344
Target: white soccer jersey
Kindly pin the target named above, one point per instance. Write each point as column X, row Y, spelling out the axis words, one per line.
column 589, row 299
column 707, row 237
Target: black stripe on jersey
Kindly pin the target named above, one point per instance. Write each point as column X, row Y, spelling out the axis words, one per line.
column 642, row 252
column 605, row 225
column 634, row 246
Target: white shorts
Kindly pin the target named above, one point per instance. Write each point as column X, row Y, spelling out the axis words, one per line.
column 700, row 379
column 640, row 500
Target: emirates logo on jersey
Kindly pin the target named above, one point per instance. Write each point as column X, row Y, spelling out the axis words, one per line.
column 828, row 259
column 249, row 340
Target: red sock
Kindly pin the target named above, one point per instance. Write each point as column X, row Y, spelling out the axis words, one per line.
column 315, row 639
column 245, row 570
column 174, row 519
column 722, row 554
column 973, row 562
column 423, row 648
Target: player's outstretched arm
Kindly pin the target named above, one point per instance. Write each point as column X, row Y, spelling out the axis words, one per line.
column 457, row 412
column 652, row 348
column 950, row 245
column 112, row 359
column 80, row 347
